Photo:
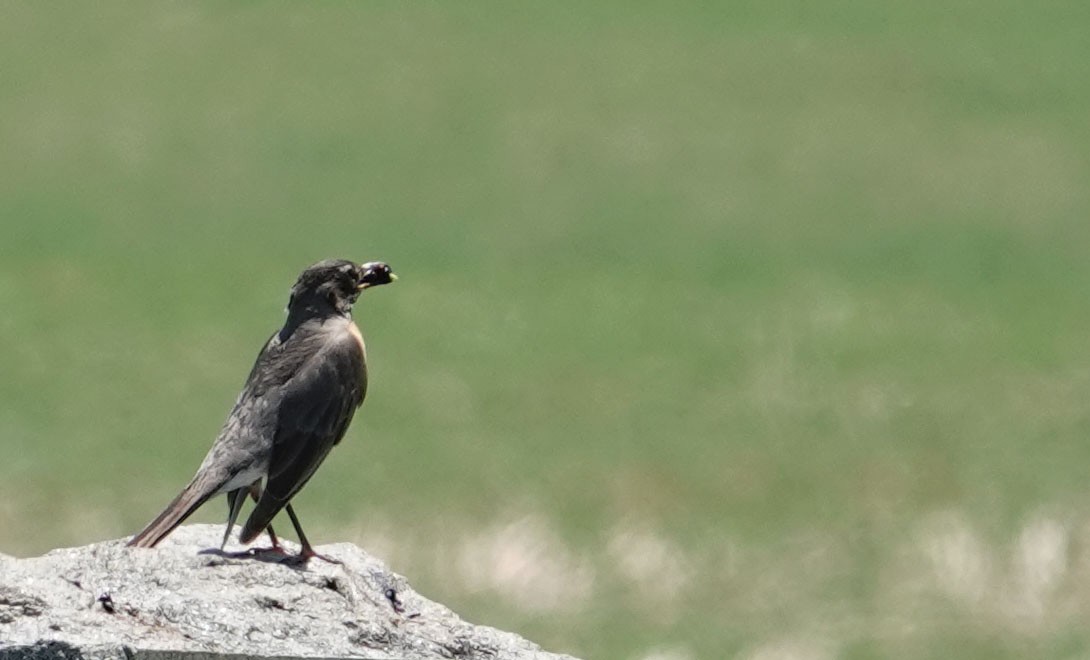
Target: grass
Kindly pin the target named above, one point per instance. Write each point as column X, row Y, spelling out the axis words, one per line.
column 750, row 331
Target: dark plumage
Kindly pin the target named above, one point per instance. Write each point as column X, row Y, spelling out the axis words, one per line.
column 296, row 405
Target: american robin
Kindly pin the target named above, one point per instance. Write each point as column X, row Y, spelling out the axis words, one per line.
column 296, row 405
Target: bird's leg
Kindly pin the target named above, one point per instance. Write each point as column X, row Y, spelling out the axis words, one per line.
column 307, row 552
column 235, row 498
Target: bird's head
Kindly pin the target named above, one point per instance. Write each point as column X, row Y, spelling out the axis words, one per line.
column 334, row 284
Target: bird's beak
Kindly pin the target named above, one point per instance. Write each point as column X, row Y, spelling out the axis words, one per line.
column 375, row 273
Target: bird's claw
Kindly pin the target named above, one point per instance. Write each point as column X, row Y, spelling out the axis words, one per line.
column 275, row 553
column 307, row 554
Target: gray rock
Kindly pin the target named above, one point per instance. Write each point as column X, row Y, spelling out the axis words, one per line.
column 108, row 601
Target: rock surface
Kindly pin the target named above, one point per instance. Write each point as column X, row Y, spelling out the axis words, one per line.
column 108, row 601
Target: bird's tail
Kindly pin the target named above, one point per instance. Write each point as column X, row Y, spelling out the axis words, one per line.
column 188, row 501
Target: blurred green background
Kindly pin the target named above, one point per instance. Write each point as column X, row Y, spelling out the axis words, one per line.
column 724, row 330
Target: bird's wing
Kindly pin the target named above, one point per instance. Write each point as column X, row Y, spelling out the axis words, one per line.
column 315, row 407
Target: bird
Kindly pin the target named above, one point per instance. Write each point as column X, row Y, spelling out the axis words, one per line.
column 298, row 400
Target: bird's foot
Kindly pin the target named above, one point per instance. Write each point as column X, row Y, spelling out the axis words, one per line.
column 308, row 553
column 263, row 554
column 274, row 554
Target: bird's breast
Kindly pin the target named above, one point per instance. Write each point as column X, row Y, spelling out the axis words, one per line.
column 354, row 330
